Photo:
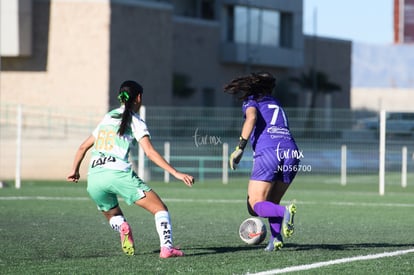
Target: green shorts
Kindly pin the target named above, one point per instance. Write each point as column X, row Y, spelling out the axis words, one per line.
column 105, row 186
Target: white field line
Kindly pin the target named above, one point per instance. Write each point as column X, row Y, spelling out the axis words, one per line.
column 46, row 198
column 334, row 262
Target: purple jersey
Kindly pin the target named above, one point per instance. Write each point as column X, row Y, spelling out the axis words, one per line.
column 272, row 128
column 276, row 156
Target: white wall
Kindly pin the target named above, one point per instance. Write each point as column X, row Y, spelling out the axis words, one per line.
column 377, row 99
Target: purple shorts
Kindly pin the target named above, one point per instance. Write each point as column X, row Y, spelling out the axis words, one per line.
column 273, row 165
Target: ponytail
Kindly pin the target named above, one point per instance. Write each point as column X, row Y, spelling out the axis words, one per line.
column 125, row 120
column 128, row 92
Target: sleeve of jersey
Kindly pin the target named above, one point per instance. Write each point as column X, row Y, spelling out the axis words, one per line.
column 249, row 103
column 139, row 128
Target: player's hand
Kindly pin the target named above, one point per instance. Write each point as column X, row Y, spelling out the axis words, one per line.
column 235, row 158
column 74, row 177
column 187, row 179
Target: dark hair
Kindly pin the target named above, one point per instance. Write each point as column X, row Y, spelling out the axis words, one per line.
column 128, row 92
column 256, row 84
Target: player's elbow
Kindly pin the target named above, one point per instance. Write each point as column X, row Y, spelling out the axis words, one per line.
column 84, row 147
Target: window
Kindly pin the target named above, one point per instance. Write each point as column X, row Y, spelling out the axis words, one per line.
column 259, row 26
column 256, row 26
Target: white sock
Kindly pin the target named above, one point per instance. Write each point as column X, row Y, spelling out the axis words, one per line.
column 116, row 222
column 163, row 225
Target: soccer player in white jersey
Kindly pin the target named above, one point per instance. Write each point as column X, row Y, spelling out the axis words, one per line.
column 111, row 175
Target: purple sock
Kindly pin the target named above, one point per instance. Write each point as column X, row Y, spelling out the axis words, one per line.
column 275, row 224
column 267, row 209
column 273, row 212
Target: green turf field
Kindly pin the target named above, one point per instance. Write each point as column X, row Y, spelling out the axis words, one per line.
column 54, row 228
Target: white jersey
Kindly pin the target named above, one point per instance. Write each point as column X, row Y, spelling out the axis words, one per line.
column 111, row 151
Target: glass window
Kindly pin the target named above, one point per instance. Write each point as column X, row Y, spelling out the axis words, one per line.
column 270, row 27
column 253, row 25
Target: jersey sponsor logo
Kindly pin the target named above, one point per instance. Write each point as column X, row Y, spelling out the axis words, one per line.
column 277, row 130
column 102, row 161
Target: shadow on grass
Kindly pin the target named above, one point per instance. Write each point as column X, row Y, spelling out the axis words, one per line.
column 199, row 251
column 224, row 249
column 296, row 247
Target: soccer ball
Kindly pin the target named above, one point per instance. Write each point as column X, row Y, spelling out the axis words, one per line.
column 252, row 231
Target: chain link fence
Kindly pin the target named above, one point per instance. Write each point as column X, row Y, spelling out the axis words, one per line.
column 196, row 140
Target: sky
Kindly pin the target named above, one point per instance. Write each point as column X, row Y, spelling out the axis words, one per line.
column 361, row 21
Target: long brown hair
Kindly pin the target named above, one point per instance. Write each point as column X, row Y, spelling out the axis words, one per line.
column 128, row 92
column 256, row 84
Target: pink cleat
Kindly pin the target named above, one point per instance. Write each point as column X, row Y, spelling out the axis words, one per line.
column 168, row 252
column 127, row 241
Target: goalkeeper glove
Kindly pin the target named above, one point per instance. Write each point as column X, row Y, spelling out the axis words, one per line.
column 236, row 156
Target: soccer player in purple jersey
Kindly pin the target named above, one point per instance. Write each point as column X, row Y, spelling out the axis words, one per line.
column 276, row 155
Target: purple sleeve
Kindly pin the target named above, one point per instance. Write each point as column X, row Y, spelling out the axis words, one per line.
column 249, row 103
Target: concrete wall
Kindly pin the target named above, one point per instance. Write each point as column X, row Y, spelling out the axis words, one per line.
column 141, row 49
column 68, row 71
column 83, row 50
column 196, row 55
column 71, row 69
column 332, row 57
column 399, row 100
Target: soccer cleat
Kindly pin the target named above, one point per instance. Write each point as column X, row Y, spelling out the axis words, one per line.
column 275, row 244
column 168, row 252
column 287, row 225
column 127, row 241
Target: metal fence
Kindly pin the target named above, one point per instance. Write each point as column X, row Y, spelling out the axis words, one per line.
column 334, row 142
